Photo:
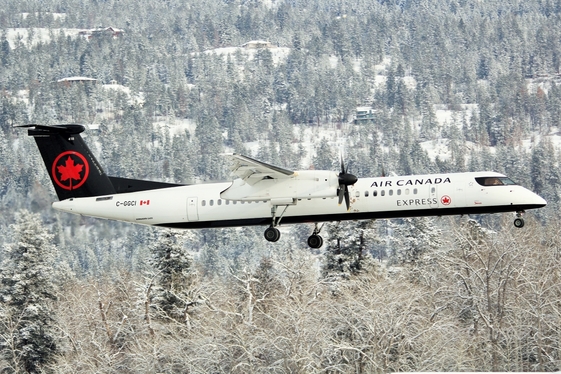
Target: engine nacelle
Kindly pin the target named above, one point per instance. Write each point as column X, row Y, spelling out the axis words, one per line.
column 306, row 184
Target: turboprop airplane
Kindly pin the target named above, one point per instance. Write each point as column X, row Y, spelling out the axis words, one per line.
column 264, row 194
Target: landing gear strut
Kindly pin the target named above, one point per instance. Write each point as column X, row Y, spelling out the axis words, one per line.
column 315, row 241
column 519, row 221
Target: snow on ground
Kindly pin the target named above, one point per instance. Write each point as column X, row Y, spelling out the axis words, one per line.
column 279, row 53
column 176, row 126
column 40, row 35
column 436, row 148
column 56, row 16
column 445, row 116
column 544, row 83
column 117, row 87
column 554, row 136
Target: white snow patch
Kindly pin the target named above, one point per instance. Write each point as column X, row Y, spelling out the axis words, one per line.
column 410, row 82
column 448, row 116
column 117, row 87
column 333, row 61
column 279, row 54
column 381, row 67
column 380, row 80
column 56, row 16
column 40, row 35
column 437, row 148
column 176, row 126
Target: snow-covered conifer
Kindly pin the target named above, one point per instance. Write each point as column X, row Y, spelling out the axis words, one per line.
column 27, row 294
column 346, row 252
column 173, row 277
column 412, row 238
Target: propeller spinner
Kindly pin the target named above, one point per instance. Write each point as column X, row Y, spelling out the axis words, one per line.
column 345, row 180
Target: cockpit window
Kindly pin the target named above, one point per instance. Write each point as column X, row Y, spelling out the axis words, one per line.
column 495, row 181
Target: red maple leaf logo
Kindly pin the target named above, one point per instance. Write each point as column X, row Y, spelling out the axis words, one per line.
column 68, row 174
column 69, row 170
column 445, row 200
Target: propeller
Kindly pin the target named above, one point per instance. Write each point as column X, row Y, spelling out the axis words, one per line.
column 345, row 180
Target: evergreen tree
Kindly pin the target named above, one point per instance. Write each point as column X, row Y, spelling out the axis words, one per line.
column 347, row 252
column 412, row 238
column 210, row 142
column 172, row 287
column 326, row 158
column 28, row 341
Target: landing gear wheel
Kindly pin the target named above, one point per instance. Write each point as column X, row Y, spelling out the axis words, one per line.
column 315, row 241
column 519, row 222
column 272, row 234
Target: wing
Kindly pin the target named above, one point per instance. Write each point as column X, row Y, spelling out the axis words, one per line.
column 253, row 171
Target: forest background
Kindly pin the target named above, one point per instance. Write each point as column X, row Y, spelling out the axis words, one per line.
column 455, row 86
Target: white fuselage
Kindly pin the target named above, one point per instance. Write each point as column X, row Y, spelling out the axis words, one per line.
column 201, row 205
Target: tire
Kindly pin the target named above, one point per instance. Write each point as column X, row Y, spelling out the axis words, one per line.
column 272, row 234
column 519, row 223
column 315, row 241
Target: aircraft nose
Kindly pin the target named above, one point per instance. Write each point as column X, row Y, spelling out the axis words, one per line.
column 540, row 201
column 535, row 200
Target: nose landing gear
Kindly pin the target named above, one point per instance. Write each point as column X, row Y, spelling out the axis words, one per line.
column 519, row 221
column 272, row 234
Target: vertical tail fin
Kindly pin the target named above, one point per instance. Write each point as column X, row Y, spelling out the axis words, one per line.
column 71, row 165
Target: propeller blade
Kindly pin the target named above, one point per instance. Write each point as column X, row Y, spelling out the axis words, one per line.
column 345, row 180
column 340, row 193
column 347, row 200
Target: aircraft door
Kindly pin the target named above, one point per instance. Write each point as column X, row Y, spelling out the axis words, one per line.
column 192, row 209
column 433, row 196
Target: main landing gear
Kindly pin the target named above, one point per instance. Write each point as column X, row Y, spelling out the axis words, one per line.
column 272, row 234
column 519, row 221
column 315, row 241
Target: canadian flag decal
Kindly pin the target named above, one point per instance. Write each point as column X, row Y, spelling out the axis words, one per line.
column 144, row 202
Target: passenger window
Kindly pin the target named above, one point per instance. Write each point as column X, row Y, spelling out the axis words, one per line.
column 357, row 194
column 375, row 193
column 399, row 192
column 227, row 202
column 219, row 202
column 414, row 191
column 383, row 193
column 365, row 193
column 391, row 192
column 211, row 202
column 407, row 191
column 203, row 203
